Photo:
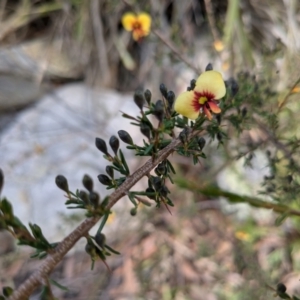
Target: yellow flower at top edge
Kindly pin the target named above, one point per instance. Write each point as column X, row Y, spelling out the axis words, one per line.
column 209, row 88
column 139, row 24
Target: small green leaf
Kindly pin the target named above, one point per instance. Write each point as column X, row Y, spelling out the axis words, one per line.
column 280, row 219
column 16, row 223
column 131, row 198
column 76, row 207
column 34, row 255
column 105, row 201
column 170, row 166
column 52, row 281
column 93, row 265
column 124, row 162
column 1, row 180
column 7, row 208
column 148, row 150
column 46, row 294
column 169, row 202
column 202, row 155
column 103, row 221
column 112, row 250
column 73, row 201
column 126, row 116
column 37, row 233
column 100, row 254
column 43, row 255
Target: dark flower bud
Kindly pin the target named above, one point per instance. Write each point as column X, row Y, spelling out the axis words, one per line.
column 110, row 171
column 160, row 169
column 219, row 137
column 84, row 197
column 232, row 83
column 234, row 88
column 7, row 291
column 289, row 178
column 139, row 99
column 170, row 98
column 94, row 199
column 280, row 288
column 145, row 130
column 100, row 239
column 157, row 182
column 183, row 136
column 209, row 67
column 164, row 191
column 90, row 249
column 244, row 112
column 152, row 191
column 114, row 144
column 148, row 96
column 163, row 90
column 201, row 142
column 159, row 110
column 125, row 137
column 219, row 118
column 133, row 211
column 193, row 83
column 62, row 183
column 268, row 153
column 104, row 179
column 101, row 145
column 87, row 182
column 1, row 180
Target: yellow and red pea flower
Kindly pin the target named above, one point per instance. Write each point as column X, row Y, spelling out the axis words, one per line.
column 139, row 24
column 209, row 88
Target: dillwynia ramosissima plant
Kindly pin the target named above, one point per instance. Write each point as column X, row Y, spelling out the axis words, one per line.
column 181, row 125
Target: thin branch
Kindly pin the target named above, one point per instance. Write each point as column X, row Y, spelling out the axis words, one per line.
column 214, row 191
column 100, row 43
column 172, row 47
column 211, row 20
column 47, row 266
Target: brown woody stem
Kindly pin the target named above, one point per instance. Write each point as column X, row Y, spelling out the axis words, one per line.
column 47, row 266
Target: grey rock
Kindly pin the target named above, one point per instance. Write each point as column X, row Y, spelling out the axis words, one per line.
column 56, row 136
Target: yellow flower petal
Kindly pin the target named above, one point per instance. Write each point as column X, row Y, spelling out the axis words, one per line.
column 184, row 105
column 128, row 20
column 211, row 82
column 145, row 21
